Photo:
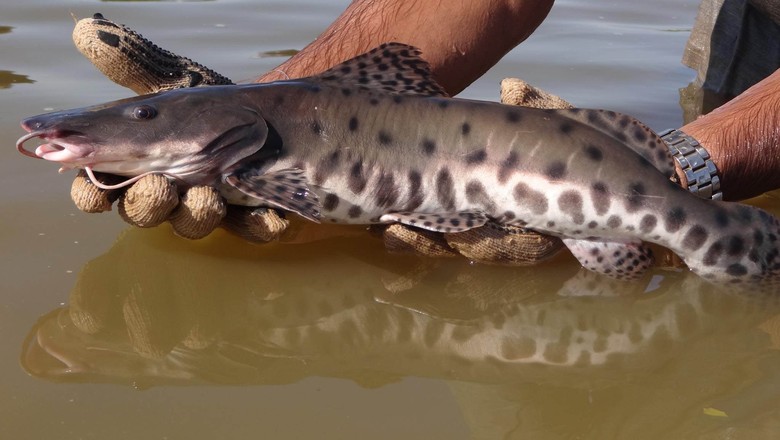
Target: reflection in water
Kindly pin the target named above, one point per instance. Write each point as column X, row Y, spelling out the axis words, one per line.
column 518, row 346
column 8, row 78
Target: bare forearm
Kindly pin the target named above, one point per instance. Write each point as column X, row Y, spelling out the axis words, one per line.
column 461, row 39
column 743, row 138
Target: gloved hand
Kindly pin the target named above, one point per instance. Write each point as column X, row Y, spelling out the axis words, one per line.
column 128, row 59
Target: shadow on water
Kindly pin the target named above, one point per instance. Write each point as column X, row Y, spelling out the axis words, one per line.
column 532, row 346
column 8, row 78
column 5, row 29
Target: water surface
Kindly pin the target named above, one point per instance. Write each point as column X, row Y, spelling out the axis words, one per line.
column 112, row 332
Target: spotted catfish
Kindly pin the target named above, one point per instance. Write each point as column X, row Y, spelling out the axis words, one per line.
column 375, row 140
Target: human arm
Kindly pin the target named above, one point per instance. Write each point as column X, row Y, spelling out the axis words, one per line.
column 743, row 140
column 460, row 39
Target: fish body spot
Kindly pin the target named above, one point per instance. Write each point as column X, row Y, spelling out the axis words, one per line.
column 445, row 189
column 355, row 211
column 556, row 170
column 594, row 153
column 636, row 196
column 357, row 179
column 330, row 203
column 428, row 147
column 415, row 191
column 476, row 194
column 614, row 221
column 384, row 138
column 600, row 197
column 508, row 167
column 675, row 219
column 570, row 203
column 476, row 157
column 695, row 237
column 526, row 196
column 387, row 191
column 648, row 223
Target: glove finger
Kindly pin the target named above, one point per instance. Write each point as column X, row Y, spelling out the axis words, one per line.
column 132, row 61
column 89, row 198
column 200, row 211
column 148, row 202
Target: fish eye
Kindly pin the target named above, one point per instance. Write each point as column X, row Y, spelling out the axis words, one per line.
column 144, row 112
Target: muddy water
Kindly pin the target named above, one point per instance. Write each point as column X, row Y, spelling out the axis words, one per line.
column 110, row 332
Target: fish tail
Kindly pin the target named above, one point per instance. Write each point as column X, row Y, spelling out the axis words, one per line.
column 728, row 242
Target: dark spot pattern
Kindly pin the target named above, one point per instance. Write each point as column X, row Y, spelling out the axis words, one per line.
column 736, row 270
column 357, row 178
column 600, row 197
column 316, row 127
column 476, row 157
column 465, row 129
column 721, row 217
column 614, row 221
column 445, row 189
column 594, row 153
column 508, row 167
column 476, row 194
column 326, row 167
column 428, row 147
column 735, row 246
column 384, row 138
column 566, row 127
column 534, row 200
column 570, row 203
column 355, row 211
column 636, row 196
column 415, row 191
column 353, row 123
column 648, row 223
column 330, row 203
column 695, row 238
column 713, row 254
column 640, row 134
column 675, row 219
column 386, row 192
column 513, row 116
column 556, row 170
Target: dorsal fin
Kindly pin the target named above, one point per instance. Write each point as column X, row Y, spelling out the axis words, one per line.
column 630, row 132
column 392, row 67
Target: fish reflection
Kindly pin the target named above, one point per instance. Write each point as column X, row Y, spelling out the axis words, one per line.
column 160, row 311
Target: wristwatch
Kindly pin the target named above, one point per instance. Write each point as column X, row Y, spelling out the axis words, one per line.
column 700, row 171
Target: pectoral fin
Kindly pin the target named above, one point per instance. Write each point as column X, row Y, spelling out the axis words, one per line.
column 621, row 260
column 286, row 189
column 439, row 222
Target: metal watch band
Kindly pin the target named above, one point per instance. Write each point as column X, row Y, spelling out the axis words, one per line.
column 700, row 171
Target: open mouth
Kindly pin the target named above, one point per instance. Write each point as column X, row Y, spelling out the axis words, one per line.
column 53, row 151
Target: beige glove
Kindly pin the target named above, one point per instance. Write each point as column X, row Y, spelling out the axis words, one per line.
column 116, row 51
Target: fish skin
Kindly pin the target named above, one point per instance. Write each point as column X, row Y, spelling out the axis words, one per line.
column 393, row 148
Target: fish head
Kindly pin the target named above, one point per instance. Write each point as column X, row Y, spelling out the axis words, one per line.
column 189, row 134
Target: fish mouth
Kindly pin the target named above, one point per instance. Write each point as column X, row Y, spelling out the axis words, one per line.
column 57, row 149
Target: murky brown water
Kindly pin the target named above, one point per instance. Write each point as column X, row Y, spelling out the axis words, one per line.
column 110, row 332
